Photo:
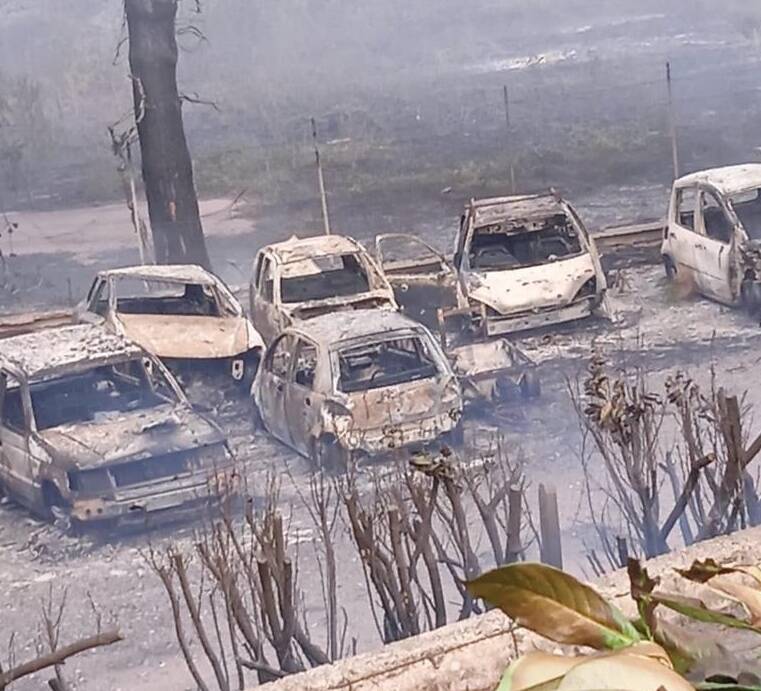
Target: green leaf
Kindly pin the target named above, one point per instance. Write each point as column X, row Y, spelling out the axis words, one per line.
column 555, row 605
column 695, row 609
column 642, row 586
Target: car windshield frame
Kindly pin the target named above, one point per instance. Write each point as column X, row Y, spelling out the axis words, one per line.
column 511, row 229
column 361, row 262
column 208, row 299
column 100, row 383
column 431, row 369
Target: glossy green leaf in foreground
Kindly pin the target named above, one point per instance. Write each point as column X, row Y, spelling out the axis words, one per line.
column 555, row 605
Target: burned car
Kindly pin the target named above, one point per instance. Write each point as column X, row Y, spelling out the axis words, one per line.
column 713, row 234
column 357, row 384
column 182, row 314
column 494, row 372
column 303, row 278
column 526, row 262
column 94, row 429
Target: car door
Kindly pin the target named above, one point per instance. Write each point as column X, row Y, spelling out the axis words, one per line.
column 271, row 393
column 94, row 308
column 264, row 312
column 682, row 229
column 16, row 468
column 714, row 250
column 302, row 401
column 422, row 279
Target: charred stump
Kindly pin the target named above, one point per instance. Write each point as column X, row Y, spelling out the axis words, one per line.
column 166, row 163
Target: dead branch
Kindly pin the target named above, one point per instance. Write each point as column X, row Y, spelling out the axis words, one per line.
column 59, row 656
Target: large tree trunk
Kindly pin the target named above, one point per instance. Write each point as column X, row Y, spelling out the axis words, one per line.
column 167, row 167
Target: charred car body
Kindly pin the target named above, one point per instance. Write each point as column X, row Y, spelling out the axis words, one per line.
column 95, row 428
column 358, row 383
column 304, row 278
column 526, row 262
column 713, row 234
column 182, row 314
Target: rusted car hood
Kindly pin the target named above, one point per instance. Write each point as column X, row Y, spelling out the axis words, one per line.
column 143, row 434
column 534, row 287
column 191, row 338
column 396, row 405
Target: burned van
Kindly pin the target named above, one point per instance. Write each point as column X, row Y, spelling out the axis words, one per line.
column 95, row 429
column 713, row 234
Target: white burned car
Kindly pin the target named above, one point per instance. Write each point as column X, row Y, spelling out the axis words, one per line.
column 526, row 262
column 182, row 314
column 94, row 428
column 302, row 278
column 713, row 234
column 355, row 384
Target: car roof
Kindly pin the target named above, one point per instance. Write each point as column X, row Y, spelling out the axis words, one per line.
column 496, row 209
column 297, row 249
column 65, row 350
column 171, row 273
column 727, row 180
column 338, row 327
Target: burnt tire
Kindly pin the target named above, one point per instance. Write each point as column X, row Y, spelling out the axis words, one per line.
column 531, row 386
column 669, row 267
column 328, row 455
column 257, row 422
column 750, row 297
column 455, row 438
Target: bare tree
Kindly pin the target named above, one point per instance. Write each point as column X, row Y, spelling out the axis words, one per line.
column 167, row 166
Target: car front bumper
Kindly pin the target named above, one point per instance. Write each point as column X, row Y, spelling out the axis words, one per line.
column 500, row 325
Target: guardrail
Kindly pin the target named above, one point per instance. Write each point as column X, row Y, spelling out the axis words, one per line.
column 18, row 324
column 632, row 237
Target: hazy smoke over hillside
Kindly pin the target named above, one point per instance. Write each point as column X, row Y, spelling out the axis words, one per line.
column 371, row 70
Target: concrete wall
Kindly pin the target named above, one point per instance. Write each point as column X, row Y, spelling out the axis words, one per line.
column 472, row 655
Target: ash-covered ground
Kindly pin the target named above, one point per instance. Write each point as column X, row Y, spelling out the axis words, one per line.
column 56, row 253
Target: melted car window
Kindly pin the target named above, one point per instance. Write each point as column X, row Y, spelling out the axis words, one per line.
column 386, row 363
column 161, row 298
column 93, row 395
column 322, row 278
column 747, row 206
column 514, row 245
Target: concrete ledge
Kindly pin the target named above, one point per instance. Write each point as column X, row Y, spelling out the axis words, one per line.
column 472, row 655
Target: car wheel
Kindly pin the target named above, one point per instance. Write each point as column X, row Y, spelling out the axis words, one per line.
column 251, row 367
column 669, row 267
column 531, row 386
column 330, row 456
column 256, row 418
column 750, row 297
column 455, row 438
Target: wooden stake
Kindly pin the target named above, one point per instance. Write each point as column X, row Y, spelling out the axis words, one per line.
column 509, row 139
column 672, row 121
column 549, row 521
column 321, row 180
column 515, row 506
